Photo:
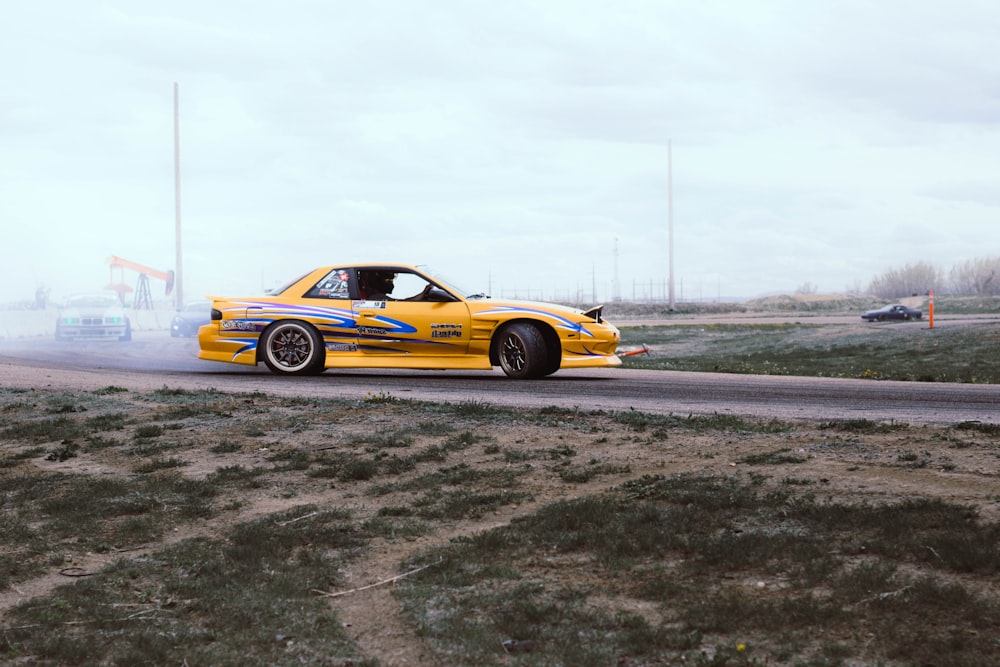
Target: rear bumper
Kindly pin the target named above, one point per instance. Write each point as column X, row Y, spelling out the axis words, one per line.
column 234, row 350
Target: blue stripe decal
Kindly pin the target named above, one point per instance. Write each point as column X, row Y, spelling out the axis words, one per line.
column 332, row 317
column 561, row 321
column 247, row 344
column 331, row 323
column 391, row 325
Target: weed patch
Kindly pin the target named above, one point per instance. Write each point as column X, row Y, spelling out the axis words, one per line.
column 790, row 562
column 779, row 457
column 203, row 601
column 726, row 564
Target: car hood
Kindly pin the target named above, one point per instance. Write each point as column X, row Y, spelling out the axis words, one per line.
column 482, row 307
column 91, row 312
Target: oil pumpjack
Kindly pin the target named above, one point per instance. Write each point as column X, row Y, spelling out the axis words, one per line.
column 143, row 298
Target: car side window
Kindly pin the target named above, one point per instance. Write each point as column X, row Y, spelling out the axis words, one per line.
column 410, row 287
column 334, row 285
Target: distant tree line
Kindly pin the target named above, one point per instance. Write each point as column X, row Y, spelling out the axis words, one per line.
column 973, row 277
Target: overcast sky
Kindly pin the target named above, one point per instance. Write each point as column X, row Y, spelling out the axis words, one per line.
column 511, row 145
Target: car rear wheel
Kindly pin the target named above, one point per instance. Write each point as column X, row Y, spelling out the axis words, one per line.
column 293, row 348
column 521, row 351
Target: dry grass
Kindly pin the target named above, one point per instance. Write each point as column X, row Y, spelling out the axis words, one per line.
column 209, row 525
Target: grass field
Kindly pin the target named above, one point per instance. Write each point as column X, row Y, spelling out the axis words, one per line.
column 205, row 528
column 967, row 353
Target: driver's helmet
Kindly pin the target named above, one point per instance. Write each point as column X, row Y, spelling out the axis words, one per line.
column 380, row 282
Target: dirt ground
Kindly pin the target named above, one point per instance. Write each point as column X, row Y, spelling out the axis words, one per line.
column 959, row 465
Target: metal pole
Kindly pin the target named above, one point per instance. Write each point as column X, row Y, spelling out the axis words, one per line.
column 178, row 271
column 670, row 217
column 617, row 295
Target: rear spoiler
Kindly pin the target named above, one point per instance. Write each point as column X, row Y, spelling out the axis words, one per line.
column 596, row 313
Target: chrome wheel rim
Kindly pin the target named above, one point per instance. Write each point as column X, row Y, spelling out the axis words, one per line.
column 513, row 353
column 290, row 348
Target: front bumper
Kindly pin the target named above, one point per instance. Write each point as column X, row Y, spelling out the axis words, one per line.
column 91, row 332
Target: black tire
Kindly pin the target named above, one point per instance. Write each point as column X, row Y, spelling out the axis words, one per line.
column 881, row 318
column 293, row 348
column 555, row 361
column 521, row 351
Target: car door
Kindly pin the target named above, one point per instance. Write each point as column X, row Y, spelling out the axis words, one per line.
column 417, row 318
column 328, row 307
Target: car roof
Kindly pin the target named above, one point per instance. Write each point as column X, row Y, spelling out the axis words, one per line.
column 375, row 265
column 108, row 296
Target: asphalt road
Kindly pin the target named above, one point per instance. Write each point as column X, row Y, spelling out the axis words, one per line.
column 153, row 360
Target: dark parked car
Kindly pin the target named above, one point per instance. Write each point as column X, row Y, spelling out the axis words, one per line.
column 894, row 311
column 187, row 319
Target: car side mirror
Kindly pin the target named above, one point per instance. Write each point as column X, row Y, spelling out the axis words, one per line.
column 439, row 295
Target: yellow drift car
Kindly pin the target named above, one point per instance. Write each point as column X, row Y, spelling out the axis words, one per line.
column 399, row 316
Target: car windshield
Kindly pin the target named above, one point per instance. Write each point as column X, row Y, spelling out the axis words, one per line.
column 93, row 300
column 444, row 282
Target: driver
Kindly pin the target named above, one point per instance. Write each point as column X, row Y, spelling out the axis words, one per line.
column 376, row 285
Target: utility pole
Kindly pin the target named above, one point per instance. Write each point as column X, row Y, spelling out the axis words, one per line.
column 178, row 272
column 616, row 295
column 670, row 219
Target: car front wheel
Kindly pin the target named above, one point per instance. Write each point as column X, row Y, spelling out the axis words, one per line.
column 521, row 351
column 293, row 348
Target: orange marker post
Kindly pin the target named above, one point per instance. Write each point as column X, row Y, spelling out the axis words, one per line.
column 930, row 309
column 631, row 353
